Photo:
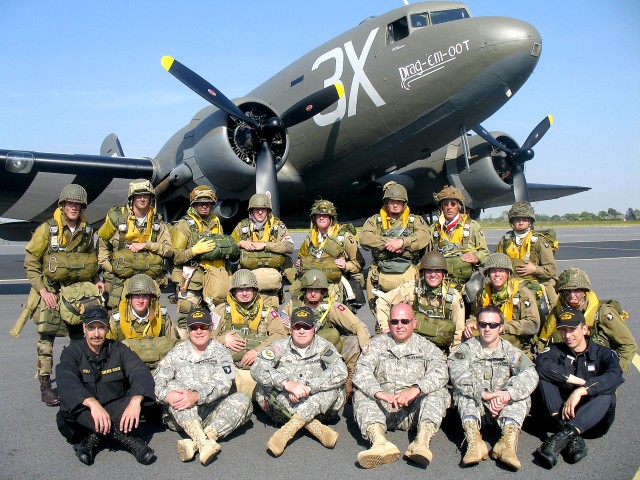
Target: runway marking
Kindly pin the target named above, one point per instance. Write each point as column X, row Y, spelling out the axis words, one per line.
column 636, row 361
column 609, row 248
column 600, row 258
column 14, row 280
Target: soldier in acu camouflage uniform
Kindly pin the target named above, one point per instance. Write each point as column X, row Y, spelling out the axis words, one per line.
column 193, row 383
column 400, row 384
column 492, row 380
column 300, row 378
column 605, row 320
column 246, row 325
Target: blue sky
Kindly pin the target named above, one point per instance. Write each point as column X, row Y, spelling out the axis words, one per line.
column 75, row 70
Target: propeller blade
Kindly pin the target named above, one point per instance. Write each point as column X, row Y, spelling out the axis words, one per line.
column 538, row 132
column 266, row 176
column 203, row 88
column 312, row 105
column 520, row 188
column 484, row 133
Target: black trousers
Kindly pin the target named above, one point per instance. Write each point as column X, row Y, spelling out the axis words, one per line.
column 76, row 425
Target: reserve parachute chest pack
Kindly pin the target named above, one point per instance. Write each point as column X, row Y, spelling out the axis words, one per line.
column 69, row 263
column 260, row 259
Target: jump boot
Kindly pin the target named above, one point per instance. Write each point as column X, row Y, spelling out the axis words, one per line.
column 47, row 394
column 418, row 450
column 348, row 384
column 143, row 453
column 477, row 449
column 199, row 442
column 507, row 447
column 381, row 452
column 328, row 436
column 278, row 441
column 552, row 447
column 85, row 450
column 576, row 450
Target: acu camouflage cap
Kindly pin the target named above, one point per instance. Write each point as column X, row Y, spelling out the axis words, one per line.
column 314, row 278
column 449, row 193
column 202, row 193
column 573, row 279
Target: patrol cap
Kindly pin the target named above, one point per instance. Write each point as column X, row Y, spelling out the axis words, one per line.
column 303, row 315
column 96, row 314
column 198, row 316
column 570, row 317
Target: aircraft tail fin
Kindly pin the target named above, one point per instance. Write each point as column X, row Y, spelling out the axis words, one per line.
column 111, row 146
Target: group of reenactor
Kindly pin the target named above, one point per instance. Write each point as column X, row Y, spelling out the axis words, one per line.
column 449, row 315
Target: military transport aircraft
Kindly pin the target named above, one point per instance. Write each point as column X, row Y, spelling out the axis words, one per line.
column 391, row 99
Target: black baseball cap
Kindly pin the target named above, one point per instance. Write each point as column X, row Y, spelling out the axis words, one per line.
column 198, row 316
column 303, row 315
column 570, row 317
column 96, row 314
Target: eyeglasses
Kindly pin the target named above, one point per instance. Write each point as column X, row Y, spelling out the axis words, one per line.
column 404, row 321
column 199, row 326
column 303, row 326
column 492, row 326
column 449, row 203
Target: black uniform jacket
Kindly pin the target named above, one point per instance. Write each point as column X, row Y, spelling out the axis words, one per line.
column 115, row 373
column 598, row 365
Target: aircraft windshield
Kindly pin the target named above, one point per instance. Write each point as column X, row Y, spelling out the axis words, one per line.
column 443, row 16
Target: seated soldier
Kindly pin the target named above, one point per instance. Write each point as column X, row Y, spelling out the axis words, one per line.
column 193, row 383
column 400, row 384
column 300, row 382
column 492, row 381
column 246, row 325
column 335, row 321
column 141, row 323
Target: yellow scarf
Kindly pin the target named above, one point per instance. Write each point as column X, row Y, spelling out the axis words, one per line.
column 266, row 230
column 134, row 235
column 238, row 318
column 61, row 221
column 151, row 329
column 507, row 306
column 386, row 220
column 522, row 252
column 215, row 229
column 331, row 232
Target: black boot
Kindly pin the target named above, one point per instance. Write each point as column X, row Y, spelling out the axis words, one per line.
column 576, row 450
column 85, row 450
column 143, row 453
column 47, row 394
column 552, row 447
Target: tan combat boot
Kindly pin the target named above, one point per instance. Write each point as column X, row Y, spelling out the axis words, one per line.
column 418, row 450
column 207, row 448
column 381, row 452
column 348, row 384
column 477, row 450
column 506, row 448
column 212, row 435
column 278, row 441
column 328, row 437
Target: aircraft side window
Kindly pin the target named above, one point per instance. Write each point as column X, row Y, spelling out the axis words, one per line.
column 419, row 20
column 397, row 30
column 443, row 16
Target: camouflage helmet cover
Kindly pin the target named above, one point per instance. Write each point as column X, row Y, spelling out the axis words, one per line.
column 573, row 279
column 522, row 209
column 140, row 187
column 314, row 279
column 498, row 260
column 433, row 261
column 394, row 191
column 73, row 193
column 202, row 193
column 260, row 200
column 244, row 278
column 324, row 207
column 142, row 284
column 449, row 192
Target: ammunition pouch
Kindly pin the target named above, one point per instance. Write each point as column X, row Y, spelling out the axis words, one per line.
column 75, row 299
column 126, row 263
column 541, row 297
column 70, row 267
column 440, row 331
column 114, row 287
column 253, row 260
column 150, row 350
column 226, row 247
column 49, row 321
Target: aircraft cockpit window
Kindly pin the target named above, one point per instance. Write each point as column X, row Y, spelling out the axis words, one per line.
column 419, row 20
column 449, row 15
column 397, row 30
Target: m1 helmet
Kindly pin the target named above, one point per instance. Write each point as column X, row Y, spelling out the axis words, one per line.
column 202, row 193
column 140, row 186
column 394, row 191
column 498, row 260
column 433, row 261
column 449, row 192
column 73, row 193
column 573, row 279
column 324, row 207
column 142, row 284
column 243, row 278
column 260, row 200
column 314, row 278
column 522, row 209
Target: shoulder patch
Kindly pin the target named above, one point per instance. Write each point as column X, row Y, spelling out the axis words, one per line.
column 274, row 313
column 527, row 303
column 268, row 354
column 341, row 307
column 288, row 238
column 459, row 355
column 330, row 355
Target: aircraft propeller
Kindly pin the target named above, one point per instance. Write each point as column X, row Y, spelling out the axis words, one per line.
column 258, row 131
column 517, row 158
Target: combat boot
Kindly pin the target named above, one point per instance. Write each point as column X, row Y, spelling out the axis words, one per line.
column 47, row 394
column 507, row 447
column 552, row 447
column 328, row 436
column 576, row 450
column 85, row 450
column 381, row 452
column 477, row 449
column 206, row 447
column 278, row 441
column 212, row 435
column 348, row 384
column 139, row 449
column 418, row 450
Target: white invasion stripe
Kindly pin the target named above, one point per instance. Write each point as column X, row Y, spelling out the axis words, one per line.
column 114, row 194
column 43, row 191
column 14, row 280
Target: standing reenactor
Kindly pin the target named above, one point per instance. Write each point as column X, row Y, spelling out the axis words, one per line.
column 531, row 252
column 201, row 255
column 604, row 319
column 265, row 247
column 132, row 240
column 61, row 253
column 335, row 322
column 400, row 384
column 517, row 304
column 332, row 248
column 493, row 380
column 457, row 236
column 438, row 304
column 578, row 382
column 300, row 382
column 141, row 322
column 396, row 239
column 193, row 383
column 246, row 325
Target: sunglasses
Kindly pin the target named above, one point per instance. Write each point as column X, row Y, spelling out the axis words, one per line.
column 447, row 203
column 199, row 326
column 404, row 321
column 492, row 326
column 301, row 326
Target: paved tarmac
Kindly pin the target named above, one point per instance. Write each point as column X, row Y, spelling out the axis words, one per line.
column 32, row 448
